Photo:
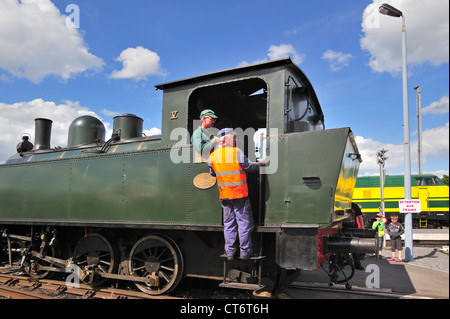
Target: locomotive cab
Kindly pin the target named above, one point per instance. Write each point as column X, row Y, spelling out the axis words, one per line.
column 308, row 186
column 277, row 99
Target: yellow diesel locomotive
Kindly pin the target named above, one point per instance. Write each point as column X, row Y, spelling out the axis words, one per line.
column 430, row 189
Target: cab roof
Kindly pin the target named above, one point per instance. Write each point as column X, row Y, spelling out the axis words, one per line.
column 286, row 62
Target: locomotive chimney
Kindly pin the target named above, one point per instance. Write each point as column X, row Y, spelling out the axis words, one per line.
column 127, row 126
column 42, row 133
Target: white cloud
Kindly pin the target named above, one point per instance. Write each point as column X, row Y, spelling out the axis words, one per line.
column 36, row 43
column 437, row 107
column 435, row 142
column 138, row 64
column 368, row 147
column 19, row 118
column 284, row 50
column 427, row 29
column 435, row 145
column 337, row 60
column 152, row 131
column 279, row 52
column 109, row 113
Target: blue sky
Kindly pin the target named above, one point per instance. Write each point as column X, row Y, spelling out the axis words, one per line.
column 121, row 49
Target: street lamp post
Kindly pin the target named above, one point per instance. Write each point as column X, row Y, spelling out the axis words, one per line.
column 389, row 10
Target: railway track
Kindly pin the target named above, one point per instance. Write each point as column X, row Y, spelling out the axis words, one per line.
column 430, row 243
column 21, row 287
column 15, row 293
column 13, row 279
column 15, row 285
column 299, row 291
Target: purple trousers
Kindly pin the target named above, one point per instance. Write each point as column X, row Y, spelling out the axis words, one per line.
column 237, row 221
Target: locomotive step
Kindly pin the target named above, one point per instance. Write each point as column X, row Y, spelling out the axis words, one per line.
column 237, row 258
column 256, row 273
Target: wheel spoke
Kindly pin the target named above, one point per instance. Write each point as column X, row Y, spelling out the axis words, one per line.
column 106, row 254
column 145, row 253
column 105, row 262
column 164, row 250
column 166, row 260
column 139, row 268
column 139, row 259
column 164, row 275
column 168, row 268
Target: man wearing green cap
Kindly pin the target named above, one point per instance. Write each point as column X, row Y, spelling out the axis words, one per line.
column 200, row 138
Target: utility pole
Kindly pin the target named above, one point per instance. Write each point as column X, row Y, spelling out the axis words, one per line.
column 381, row 160
column 419, row 127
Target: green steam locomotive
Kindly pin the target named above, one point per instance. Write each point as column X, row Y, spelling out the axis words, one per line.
column 145, row 209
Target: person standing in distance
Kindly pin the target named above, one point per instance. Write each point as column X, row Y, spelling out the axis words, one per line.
column 379, row 226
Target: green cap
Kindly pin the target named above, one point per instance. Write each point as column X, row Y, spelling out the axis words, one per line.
column 208, row 112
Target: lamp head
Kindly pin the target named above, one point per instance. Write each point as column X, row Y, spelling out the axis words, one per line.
column 389, row 10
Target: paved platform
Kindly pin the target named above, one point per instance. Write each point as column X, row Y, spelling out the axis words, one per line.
column 406, row 279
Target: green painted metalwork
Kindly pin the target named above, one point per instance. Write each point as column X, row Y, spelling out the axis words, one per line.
column 135, row 181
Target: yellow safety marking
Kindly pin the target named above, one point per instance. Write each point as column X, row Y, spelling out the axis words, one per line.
column 142, row 143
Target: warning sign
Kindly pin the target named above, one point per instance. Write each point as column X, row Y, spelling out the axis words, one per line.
column 409, row 206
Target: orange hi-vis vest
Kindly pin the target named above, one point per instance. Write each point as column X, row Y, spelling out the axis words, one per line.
column 231, row 178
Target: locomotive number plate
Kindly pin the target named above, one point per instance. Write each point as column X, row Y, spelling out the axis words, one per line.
column 204, row 181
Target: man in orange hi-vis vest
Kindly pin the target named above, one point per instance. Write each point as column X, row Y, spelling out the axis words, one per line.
column 229, row 164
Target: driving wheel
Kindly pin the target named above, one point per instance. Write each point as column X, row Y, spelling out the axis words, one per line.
column 32, row 264
column 95, row 253
column 157, row 258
